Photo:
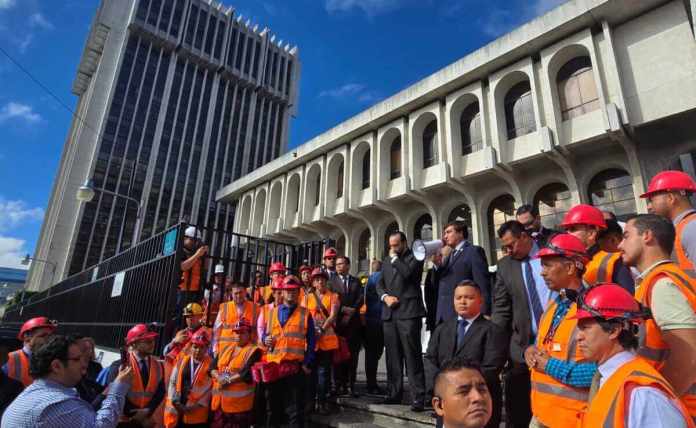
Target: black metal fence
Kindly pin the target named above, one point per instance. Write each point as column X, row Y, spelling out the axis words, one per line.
column 140, row 284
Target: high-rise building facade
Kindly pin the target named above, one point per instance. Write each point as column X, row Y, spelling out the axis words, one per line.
column 177, row 98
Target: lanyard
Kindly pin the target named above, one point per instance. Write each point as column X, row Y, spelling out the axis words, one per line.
column 194, row 372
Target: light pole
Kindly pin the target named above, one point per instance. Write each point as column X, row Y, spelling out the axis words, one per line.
column 27, row 259
column 86, row 192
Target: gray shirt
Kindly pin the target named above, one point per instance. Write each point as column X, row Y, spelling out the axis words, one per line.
column 688, row 236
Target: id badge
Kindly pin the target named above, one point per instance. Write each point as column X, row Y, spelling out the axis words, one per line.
column 556, row 347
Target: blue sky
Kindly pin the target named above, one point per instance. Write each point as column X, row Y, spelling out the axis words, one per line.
column 353, row 52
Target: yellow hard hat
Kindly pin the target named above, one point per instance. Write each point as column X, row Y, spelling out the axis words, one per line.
column 193, row 309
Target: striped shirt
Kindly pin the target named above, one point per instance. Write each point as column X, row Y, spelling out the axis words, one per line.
column 46, row 403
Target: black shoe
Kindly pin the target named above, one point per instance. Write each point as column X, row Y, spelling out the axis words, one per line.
column 353, row 392
column 390, row 400
column 417, row 406
column 375, row 390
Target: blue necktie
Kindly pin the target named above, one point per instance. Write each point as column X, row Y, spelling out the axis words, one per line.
column 537, row 308
column 461, row 331
column 144, row 372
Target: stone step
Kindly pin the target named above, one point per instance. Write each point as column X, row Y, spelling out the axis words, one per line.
column 366, row 412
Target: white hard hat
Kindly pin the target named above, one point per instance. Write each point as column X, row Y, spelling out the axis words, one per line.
column 219, row 269
column 192, row 232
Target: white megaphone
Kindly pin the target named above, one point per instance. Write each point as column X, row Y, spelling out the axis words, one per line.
column 423, row 249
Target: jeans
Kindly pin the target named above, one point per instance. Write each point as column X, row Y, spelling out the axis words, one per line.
column 324, row 374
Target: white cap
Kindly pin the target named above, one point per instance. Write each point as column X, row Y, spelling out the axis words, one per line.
column 219, row 269
column 192, row 232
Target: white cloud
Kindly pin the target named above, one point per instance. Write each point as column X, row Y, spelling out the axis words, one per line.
column 6, row 4
column 501, row 21
column 12, row 251
column 13, row 110
column 370, row 7
column 15, row 213
column 355, row 91
column 23, row 42
column 40, row 21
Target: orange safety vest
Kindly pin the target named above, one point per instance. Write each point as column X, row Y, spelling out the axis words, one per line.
column 141, row 394
column 327, row 341
column 191, row 279
column 235, row 397
column 199, row 394
column 18, row 367
column 291, row 339
column 679, row 254
column 601, row 268
column 610, row 405
column 556, row 404
column 178, row 351
column 229, row 317
column 651, row 346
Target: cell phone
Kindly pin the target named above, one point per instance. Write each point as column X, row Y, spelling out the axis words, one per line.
column 125, row 358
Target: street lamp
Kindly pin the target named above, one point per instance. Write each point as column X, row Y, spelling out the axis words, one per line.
column 87, row 191
column 25, row 261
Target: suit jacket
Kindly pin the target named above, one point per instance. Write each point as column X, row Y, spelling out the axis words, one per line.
column 484, row 343
column 469, row 263
column 353, row 298
column 511, row 308
column 543, row 236
column 402, row 279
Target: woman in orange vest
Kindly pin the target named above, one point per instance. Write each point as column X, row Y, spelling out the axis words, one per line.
column 230, row 313
column 275, row 300
column 34, row 333
column 190, row 386
column 233, row 387
column 305, row 273
column 323, row 304
column 628, row 391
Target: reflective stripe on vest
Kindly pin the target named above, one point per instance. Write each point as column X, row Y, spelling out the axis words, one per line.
column 328, row 341
column 291, row 339
column 601, row 268
column 18, row 367
column 679, row 254
column 554, row 403
column 139, row 395
column 228, row 318
column 198, row 394
column 237, row 397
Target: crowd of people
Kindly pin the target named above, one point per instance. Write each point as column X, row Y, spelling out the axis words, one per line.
column 587, row 326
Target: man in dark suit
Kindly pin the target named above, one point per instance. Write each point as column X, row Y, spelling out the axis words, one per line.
column 472, row 337
column 402, row 316
column 348, row 324
column 521, row 297
column 528, row 215
column 459, row 260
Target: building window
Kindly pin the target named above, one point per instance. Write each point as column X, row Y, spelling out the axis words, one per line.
column 366, row 170
column 317, row 189
column 423, row 228
column 462, row 213
column 577, row 91
column 395, row 158
column 612, row 190
column 339, row 181
column 519, row 111
column 430, row 145
column 470, row 125
column 392, row 228
column 502, row 209
column 364, row 251
column 553, row 201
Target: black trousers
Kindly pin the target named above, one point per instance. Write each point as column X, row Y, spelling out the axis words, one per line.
column 344, row 374
column 374, row 348
column 402, row 343
column 518, row 388
column 287, row 398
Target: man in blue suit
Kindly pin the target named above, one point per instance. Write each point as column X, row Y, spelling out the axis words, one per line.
column 459, row 260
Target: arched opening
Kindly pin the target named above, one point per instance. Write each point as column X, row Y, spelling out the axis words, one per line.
column 364, row 251
column 553, row 201
column 612, row 190
column 365, row 183
column 245, row 215
column 423, row 228
column 577, row 91
column 470, row 125
column 392, row 228
column 312, row 196
column 462, row 213
column 292, row 200
column 339, row 180
column 274, row 209
column 519, row 110
column 259, row 211
column 430, row 144
column 317, row 190
column 502, row 209
column 395, row 158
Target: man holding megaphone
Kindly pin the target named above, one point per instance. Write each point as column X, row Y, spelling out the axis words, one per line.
column 459, row 260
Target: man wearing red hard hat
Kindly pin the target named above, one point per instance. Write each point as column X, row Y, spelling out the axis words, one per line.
column 668, row 196
column 330, row 256
column 560, row 377
column 586, row 222
column 33, row 334
column 626, row 390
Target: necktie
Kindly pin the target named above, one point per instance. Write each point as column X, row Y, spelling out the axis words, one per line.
column 537, row 308
column 594, row 386
column 144, row 375
column 461, row 331
column 345, row 284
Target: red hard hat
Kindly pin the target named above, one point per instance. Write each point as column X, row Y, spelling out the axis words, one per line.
column 277, row 284
column 139, row 332
column 330, row 252
column 670, row 181
column 291, row 282
column 608, row 301
column 34, row 323
column 200, row 338
column 317, row 272
column 277, row 267
column 304, row 268
column 242, row 325
column 565, row 245
column 584, row 214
